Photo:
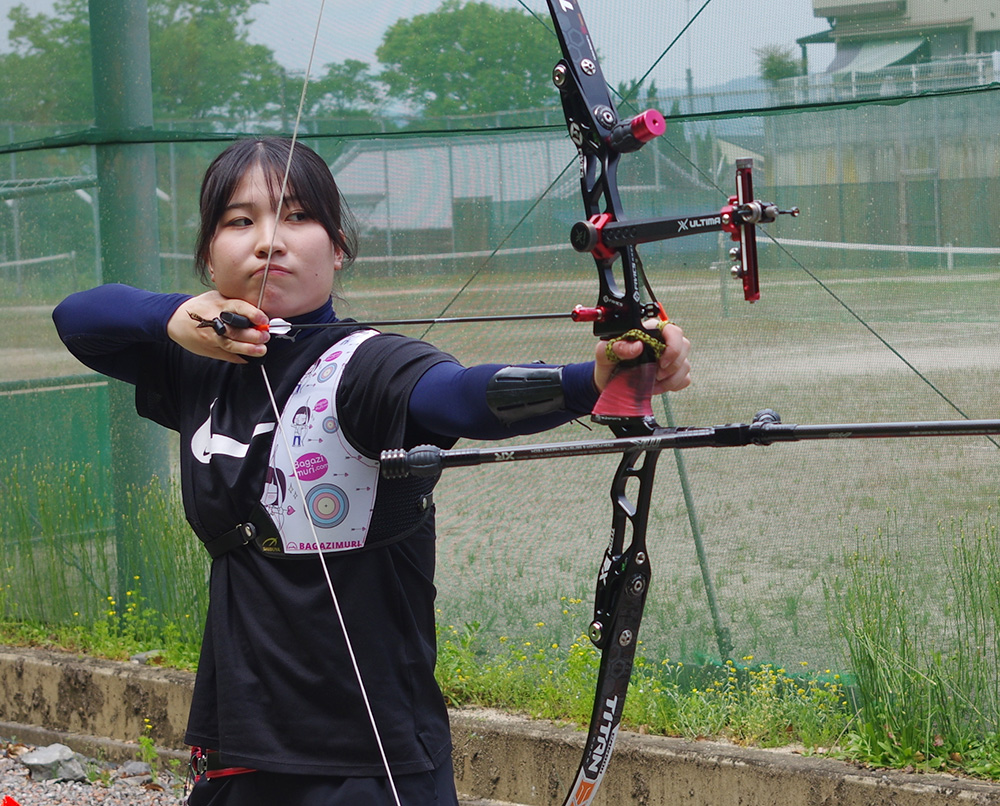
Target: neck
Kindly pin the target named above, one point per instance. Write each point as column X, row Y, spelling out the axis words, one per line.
column 324, row 313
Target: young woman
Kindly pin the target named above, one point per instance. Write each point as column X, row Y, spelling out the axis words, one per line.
column 277, row 714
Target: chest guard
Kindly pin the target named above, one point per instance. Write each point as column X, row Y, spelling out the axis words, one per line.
column 334, row 494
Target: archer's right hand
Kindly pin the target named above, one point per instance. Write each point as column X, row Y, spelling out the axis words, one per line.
column 183, row 328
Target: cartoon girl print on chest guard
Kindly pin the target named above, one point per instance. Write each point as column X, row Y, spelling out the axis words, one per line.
column 332, row 498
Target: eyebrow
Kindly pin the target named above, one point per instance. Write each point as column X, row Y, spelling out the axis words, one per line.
column 289, row 201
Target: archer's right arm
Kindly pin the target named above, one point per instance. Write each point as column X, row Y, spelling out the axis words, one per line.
column 109, row 327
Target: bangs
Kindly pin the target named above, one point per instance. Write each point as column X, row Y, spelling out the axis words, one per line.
column 310, row 184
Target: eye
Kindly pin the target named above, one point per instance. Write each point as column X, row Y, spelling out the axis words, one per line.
column 238, row 222
column 299, row 215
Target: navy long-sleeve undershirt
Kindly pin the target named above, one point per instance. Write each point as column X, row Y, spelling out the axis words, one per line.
column 106, row 326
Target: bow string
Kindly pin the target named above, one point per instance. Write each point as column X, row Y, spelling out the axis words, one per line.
column 282, row 435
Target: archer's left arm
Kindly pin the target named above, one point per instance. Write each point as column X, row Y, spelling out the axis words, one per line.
column 494, row 401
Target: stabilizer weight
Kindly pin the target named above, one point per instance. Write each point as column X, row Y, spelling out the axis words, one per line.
column 423, row 461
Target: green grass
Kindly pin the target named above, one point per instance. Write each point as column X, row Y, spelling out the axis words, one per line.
column 60, row 582
column 744, row 702
column 922, row 690
column 924, row 651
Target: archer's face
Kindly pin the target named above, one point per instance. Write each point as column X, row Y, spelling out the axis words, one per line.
column 303, row 259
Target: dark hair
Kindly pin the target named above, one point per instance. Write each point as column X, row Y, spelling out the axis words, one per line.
column 309, row 181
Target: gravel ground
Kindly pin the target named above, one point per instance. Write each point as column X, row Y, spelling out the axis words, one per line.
column 107, row 784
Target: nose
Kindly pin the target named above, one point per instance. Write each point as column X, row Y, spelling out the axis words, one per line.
column 269, row 240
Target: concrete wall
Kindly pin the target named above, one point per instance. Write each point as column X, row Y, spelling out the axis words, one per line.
column 98, row 707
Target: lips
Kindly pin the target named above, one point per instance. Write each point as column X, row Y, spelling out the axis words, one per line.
column 275, row 268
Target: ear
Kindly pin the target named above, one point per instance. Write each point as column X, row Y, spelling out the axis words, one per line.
column 338, row 258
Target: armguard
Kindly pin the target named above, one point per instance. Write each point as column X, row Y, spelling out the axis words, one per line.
column 517, row 393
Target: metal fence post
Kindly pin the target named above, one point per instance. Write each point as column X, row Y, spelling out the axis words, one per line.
column 126, row 172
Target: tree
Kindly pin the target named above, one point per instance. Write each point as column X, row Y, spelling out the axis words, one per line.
column 47, row 78
column 348, row 88
column 777, row 62
column 469, row 57
column 202, row 62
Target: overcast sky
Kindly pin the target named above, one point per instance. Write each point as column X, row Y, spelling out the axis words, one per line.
column 630, row 34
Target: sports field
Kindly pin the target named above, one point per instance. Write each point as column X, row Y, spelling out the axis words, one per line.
column 518, row 541
column 776, row 521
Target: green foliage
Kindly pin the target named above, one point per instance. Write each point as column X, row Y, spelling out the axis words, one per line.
column 348, row 87
column 117, row 633
column 628, row 93
column 461, row 59
column 928, row 697
column 47, row 76
column 777, row 62
column 746, row 703
column 59, row 583
column 456, row 60
column 202, row 62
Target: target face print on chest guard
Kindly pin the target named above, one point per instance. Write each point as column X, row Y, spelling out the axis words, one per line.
column 332, row 499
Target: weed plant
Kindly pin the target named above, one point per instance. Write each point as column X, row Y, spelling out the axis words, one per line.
column 745, row 702
column 924, row 653
column 60, row 584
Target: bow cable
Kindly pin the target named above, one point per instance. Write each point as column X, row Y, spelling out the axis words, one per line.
column 284, row 437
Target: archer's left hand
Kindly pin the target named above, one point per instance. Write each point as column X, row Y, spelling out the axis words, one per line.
column 673, row 370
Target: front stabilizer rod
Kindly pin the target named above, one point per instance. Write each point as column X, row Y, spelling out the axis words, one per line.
column 766, row 428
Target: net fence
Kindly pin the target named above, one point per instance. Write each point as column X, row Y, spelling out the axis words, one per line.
column 878, row 302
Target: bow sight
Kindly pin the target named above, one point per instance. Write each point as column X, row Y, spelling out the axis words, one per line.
column 602, row 236
column 601, row 137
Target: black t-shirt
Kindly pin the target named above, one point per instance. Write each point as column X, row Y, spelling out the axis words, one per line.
column 276, row 688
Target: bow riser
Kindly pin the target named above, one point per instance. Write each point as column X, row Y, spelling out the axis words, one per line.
column 593, row 125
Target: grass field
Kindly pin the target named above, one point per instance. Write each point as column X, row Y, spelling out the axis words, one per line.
column 777, row 522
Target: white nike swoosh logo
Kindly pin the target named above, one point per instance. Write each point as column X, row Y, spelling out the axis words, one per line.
column 205, row 444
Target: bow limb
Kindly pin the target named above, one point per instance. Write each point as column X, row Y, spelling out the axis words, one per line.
column 282, row 435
